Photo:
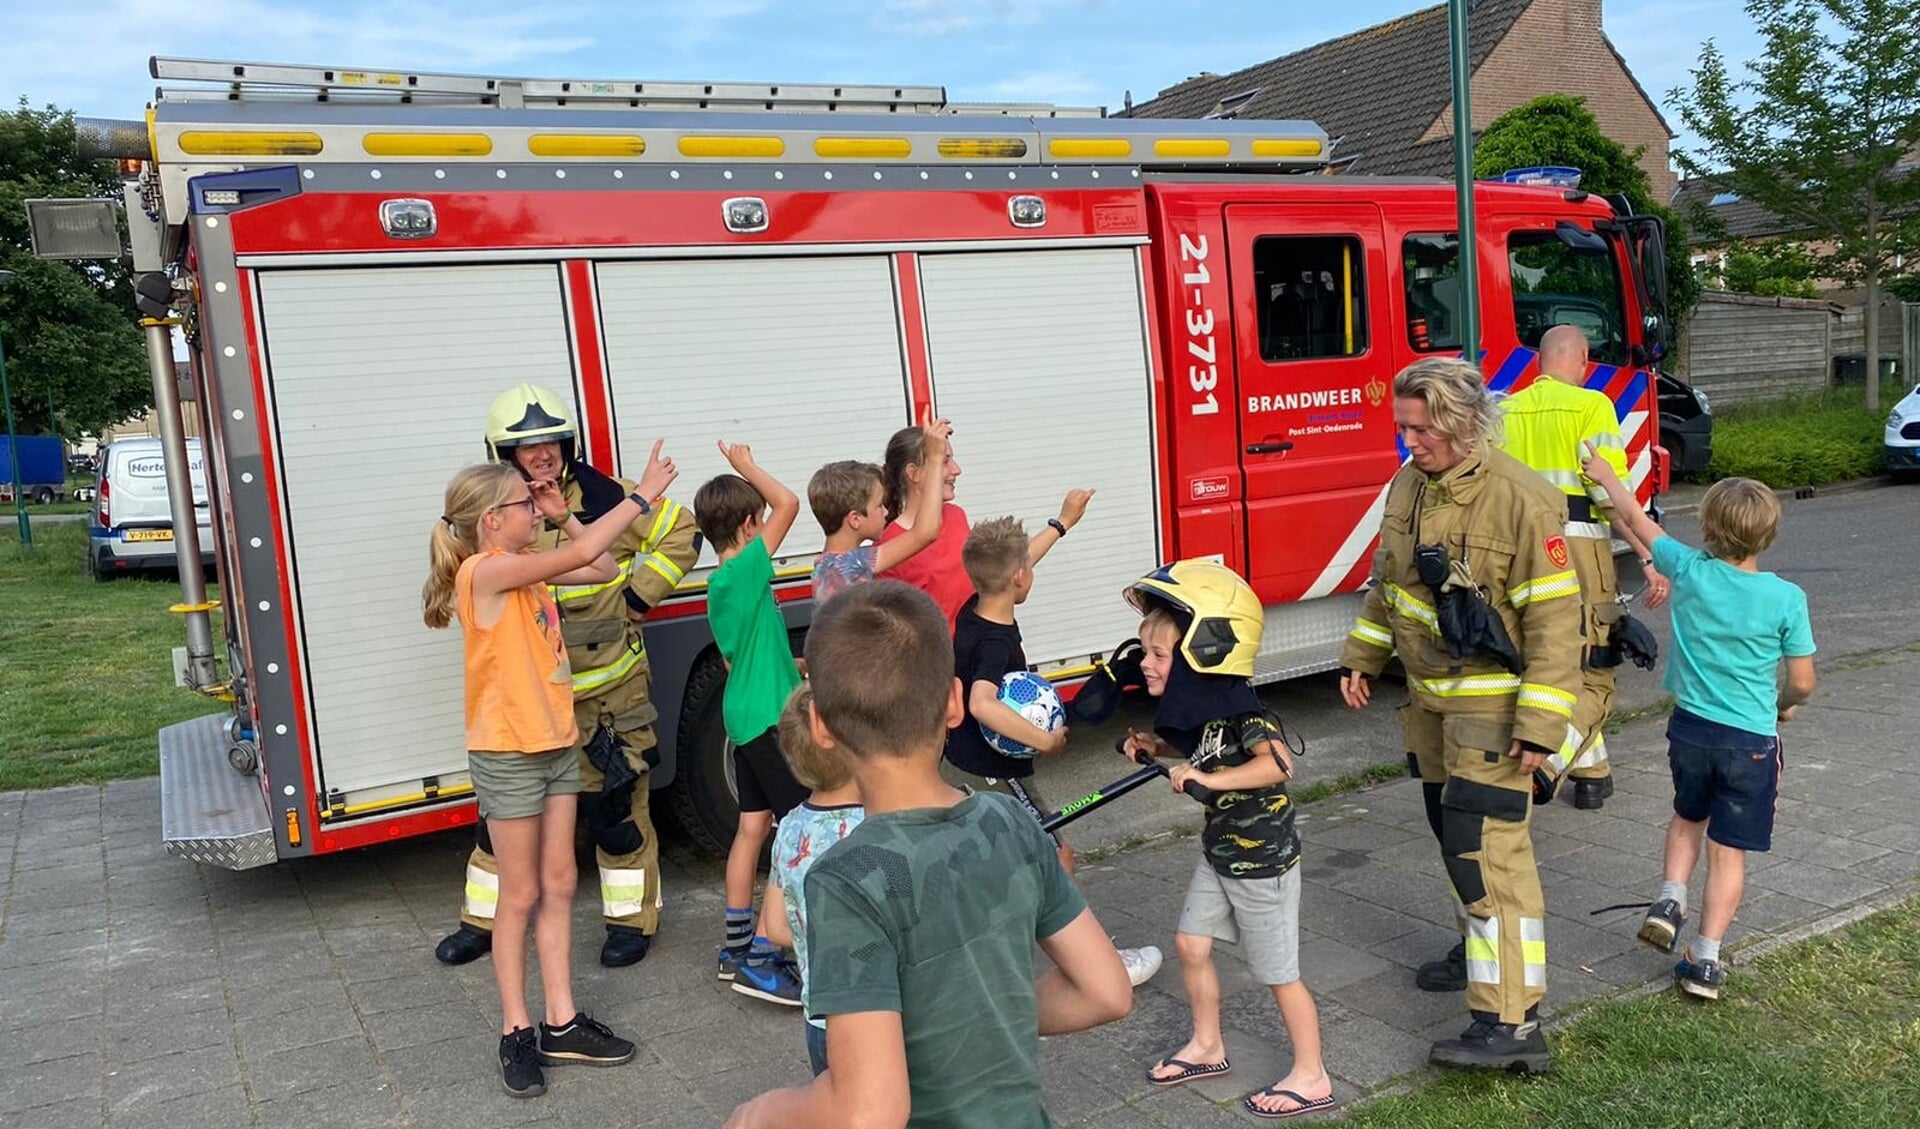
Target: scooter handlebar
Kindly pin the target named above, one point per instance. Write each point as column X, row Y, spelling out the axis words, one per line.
column 1193, row 788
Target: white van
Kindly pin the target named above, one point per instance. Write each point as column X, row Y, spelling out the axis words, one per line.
column 132, row 518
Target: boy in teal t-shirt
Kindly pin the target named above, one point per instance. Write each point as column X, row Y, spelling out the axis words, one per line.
column 1733, row 626
column 745, row 516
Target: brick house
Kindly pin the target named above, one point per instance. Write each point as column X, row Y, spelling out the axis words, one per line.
column 1385, row 95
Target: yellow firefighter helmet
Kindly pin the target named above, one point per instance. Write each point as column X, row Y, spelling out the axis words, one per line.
column 1223, row 616
column 528, row 413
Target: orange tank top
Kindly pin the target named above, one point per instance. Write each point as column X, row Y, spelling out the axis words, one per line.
column 519, row 684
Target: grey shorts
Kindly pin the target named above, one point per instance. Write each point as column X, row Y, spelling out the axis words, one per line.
column 516, row 785
column 1261, row 915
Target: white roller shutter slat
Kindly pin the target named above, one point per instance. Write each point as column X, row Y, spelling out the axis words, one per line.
column 1039, row 358
column 381, row 380
column 798, row 357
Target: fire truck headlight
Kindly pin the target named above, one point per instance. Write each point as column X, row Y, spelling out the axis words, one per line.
column 745, row 214
column 1027, row 211
column 408, row 219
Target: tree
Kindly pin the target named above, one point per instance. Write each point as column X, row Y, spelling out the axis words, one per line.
column 1558, row 129
column 1776, row 269
column 74, row 352
column 1818, row 132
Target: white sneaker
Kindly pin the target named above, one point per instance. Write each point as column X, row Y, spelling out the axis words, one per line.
column 1141, row 963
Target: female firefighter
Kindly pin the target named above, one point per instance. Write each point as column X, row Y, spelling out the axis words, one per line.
column 1473, row 587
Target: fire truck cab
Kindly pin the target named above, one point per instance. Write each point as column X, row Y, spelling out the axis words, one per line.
column 1184, row 315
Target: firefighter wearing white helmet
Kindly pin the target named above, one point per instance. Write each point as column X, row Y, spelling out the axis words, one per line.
column 532, row 428
column 1474, row 589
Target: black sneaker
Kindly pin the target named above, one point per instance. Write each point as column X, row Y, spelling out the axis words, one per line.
column 1592, row 795
column 1702, row 978
column 1663, row 924
column 463, row 944
column 1518, row 1047
column 1448, row 974
column 584, row 1040
column 520, row 1064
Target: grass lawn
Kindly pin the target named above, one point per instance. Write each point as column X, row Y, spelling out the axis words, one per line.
column 1802, row 441
column 1825, row 1033
column 86, row 673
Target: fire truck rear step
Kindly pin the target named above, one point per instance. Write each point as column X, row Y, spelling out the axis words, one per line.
column 208, row 812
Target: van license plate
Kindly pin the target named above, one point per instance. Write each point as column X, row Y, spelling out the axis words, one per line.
column 149, row 534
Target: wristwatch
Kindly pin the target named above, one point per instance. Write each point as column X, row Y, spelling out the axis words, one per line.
column 646, row 507
column 1059, row 526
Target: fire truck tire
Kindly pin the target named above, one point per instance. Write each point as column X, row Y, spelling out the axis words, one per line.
column 701, row 796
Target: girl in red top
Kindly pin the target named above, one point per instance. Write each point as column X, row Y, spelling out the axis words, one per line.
column 521, row 732
column 936, row 569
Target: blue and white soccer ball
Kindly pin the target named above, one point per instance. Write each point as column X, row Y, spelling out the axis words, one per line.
column 1033, row 698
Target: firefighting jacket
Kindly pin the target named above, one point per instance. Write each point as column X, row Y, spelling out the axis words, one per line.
column 1504, row 523
column 601, row 622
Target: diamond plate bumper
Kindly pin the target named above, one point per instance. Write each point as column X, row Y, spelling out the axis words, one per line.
column 208, row 812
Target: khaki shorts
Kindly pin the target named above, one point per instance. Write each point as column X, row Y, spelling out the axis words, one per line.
column 516, row 785
column 1261, row 915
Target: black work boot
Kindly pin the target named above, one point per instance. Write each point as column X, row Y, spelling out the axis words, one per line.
column 1487, row 1045
column 463, row 944
column 1448, row 974
column 1591, row 795
column 624, row 946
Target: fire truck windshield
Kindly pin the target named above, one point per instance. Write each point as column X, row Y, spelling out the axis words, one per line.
column 1555, row 283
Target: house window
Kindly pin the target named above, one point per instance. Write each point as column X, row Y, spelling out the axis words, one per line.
column 1556, row 283
column 1723, row 198
column 1312, row 296
column 1431, row 267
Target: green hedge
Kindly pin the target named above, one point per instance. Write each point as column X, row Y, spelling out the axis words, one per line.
column 1802, row 441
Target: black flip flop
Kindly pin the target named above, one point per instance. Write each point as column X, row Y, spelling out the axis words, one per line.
column 1301, row 1106
column 1188, row 1071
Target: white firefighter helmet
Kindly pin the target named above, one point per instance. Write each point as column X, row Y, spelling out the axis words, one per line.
column 528, row 413
column 1223, row 616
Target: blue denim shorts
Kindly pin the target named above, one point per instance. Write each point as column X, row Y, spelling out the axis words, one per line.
column 1728, row 777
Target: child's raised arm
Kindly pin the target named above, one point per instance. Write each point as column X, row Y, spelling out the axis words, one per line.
column 783, row 503
column 583, row 555
column 1596, row 467
column 1072, row 508
column 929, row 507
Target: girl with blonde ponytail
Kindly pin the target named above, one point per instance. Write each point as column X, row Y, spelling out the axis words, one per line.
column 483, row 572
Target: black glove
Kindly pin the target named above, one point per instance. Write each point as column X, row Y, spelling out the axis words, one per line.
column 606, row 752
column 1634, row 641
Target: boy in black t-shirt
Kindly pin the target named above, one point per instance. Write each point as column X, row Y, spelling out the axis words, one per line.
column 1201, row 632
column 986, row 648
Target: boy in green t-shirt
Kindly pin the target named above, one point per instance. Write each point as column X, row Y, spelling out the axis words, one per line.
column 745, row 516
column 921, row 923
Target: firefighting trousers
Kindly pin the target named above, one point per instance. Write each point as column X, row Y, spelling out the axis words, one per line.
column 624, row 843
column 1483, row 807
column 1584, row 754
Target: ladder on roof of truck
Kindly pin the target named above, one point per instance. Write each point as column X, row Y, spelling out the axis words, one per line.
column 326, row 115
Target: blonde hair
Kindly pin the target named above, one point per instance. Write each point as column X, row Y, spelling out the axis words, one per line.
column 821, row 770
column 1739, row 518
column 1459, row 406
column 994, row 551
column 456, row 535
column 1159, row 619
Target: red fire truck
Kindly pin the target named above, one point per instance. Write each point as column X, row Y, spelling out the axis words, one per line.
column 1188, row 315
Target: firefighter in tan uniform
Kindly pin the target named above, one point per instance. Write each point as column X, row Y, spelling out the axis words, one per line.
column 1473, row 588
column 531, row 427
column 1545, row 427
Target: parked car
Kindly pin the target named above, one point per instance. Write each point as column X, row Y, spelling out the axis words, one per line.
column 1686, row 424
column 1903, row 438
column 133, row 518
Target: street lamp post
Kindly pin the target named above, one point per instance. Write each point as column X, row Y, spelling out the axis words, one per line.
column 13, row 442
column 1462, row 67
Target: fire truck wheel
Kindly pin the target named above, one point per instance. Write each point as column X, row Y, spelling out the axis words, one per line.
column 701, row 796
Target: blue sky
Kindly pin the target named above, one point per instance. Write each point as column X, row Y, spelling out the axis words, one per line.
column 90, row 55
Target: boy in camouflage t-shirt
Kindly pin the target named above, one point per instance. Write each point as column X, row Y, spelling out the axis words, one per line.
column 921, row 923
